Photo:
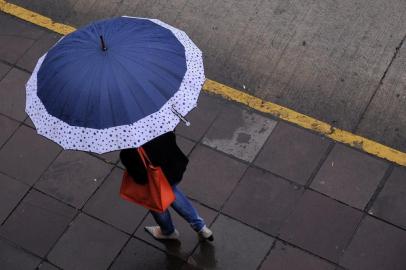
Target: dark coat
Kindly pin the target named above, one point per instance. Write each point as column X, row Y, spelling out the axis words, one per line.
column 163, row 152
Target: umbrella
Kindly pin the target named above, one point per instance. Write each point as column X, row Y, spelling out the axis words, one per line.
column 115, row 84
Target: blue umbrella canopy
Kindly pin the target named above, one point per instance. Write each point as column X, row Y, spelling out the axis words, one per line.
column 111, row 72
column 114, row 84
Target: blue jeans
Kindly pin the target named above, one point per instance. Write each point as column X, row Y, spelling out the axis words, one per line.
column 184, row 208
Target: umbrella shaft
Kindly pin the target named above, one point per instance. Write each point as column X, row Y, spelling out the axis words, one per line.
column 102, row 44
column 187, row 123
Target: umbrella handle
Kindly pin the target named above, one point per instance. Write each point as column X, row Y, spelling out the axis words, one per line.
column 187, row 123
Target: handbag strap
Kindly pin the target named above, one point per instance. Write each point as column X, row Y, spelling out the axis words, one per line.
column 144, row 157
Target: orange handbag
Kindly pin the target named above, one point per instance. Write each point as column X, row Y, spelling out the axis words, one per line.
column 156, row 194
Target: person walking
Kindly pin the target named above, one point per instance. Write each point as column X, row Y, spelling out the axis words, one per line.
column 165, row 153
column 119, row 83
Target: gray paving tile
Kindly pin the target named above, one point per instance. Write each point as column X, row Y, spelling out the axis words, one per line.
column 47, row 266
column 201, row 117
column 376, row 246
column 390, row 203
column 236, row 246
column 350, row 176
column 138, row 255
column 16, row 37
column 185, row 145
column 73, row 177
column 109, row 157
column 7, row 127
column 188, row 266
column 120, row 165
column 284, row 257
column 37, row 223
column 41, row 46
column 11, row 192
column 261, row 188
column 239, row 132
column 188, row 237
column 206, row 184
column 292, row 152
column 321, row 225
column 29, row 122
column 13, row 26
column 107, row 205
column 3, row 70
column 205, row 257
column 88, row 244
column 12, row 94
column 13, row 258
column 26, row 155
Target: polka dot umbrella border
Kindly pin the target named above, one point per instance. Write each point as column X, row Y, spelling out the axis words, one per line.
column 124, row 136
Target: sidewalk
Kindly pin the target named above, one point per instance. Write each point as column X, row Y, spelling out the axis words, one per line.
column 276, row 196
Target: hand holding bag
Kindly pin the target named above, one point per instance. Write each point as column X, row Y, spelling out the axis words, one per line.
column 156, row 194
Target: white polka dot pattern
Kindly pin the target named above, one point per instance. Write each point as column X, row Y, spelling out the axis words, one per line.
column 126, row 136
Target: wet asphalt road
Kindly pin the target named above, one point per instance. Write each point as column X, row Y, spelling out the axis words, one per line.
column 342, row 62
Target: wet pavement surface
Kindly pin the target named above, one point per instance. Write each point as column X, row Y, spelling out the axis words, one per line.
column 341, row 62
column 275, row 195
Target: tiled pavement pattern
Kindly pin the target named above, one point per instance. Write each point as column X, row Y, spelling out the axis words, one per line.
column 276, row 196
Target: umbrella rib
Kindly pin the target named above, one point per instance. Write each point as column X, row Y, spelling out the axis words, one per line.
column 125, row 82
column 59, row 68
column 142, row 66
column 90, row 94
column 80, row 92
column 132, row 93
column 134, row 47
column 158, row 64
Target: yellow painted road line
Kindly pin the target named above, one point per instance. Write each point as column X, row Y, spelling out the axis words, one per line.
column 227, row 92
column 307, row 122
column 35, row 18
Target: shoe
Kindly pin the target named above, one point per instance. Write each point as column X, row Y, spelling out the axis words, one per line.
column 206, row 234
column 156, row 232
